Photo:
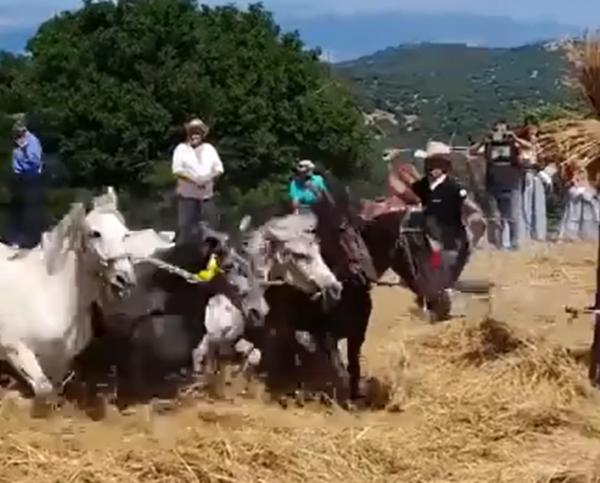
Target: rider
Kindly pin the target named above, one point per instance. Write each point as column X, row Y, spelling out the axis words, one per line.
column 445, row 204
column 445, row 201
column 306, row 186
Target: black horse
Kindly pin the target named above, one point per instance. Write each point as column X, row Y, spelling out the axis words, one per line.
column 358, row 252
column 151, row 336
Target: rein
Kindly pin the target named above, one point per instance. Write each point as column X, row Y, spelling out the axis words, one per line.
column 189, row 277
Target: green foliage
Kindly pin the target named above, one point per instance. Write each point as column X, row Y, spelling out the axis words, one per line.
column 113, row 82
column 455, row 89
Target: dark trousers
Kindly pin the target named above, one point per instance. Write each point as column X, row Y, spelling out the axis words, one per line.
column 26, row 221
column 456, row 259
column 191, row 212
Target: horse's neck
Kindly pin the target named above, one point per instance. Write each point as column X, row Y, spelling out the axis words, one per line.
column 381, row 242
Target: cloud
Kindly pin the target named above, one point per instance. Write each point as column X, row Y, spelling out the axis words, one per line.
column 28, row 13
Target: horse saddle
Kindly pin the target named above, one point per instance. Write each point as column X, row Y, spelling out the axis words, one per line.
column 370, row 210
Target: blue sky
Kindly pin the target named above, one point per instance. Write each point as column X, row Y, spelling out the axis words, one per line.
column 27, row 13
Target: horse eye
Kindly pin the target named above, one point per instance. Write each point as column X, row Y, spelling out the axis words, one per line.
column 95, row 234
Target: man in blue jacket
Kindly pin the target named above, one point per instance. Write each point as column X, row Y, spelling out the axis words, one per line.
column 27, row 209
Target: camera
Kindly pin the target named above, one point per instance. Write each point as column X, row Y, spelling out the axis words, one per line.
column 499, row 136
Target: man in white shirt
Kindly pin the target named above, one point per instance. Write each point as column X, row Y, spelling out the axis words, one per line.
column 196, row 165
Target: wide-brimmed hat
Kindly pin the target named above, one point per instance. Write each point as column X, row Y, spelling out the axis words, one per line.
column 196, row 126
column 305, row 165
column 433, row 148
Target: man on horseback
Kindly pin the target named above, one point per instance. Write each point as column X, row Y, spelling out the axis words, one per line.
column 445, row 201
column 446, row 209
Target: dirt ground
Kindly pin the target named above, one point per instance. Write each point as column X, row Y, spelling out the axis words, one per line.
column 503, row 398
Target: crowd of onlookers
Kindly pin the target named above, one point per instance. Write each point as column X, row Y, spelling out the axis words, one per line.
column 518, row 183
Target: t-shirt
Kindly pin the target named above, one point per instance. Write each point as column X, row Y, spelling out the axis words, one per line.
column 503, row 172
column 443, row 202
column 302, row 194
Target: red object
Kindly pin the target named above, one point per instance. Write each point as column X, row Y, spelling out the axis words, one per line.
column 436, row 259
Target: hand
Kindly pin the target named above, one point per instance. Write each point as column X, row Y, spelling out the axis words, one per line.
column 21, row 142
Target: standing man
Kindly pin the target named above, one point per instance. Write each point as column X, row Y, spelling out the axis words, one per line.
column 504, row 183
column 27, row 210
column 306, row 186
column 196, row 165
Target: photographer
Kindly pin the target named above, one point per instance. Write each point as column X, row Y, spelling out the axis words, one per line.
column 504, row 183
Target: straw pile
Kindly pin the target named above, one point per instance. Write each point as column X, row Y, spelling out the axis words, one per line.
column 502, row 400
column 576, row 139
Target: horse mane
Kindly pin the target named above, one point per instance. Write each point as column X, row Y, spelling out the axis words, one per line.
column 291, row 226
column 67, row 229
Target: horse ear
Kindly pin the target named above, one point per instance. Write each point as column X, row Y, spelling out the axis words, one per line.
column 107, row 200
column 245, row 223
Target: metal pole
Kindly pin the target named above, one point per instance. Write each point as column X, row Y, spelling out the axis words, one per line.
column 594, row 370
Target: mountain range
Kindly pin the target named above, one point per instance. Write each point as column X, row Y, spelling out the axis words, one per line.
column 343, row 37
column 412, row 93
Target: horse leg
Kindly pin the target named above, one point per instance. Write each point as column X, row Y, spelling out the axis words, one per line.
column 342, row 382
column 353, row 348
column 200, row 353
column 25, row 362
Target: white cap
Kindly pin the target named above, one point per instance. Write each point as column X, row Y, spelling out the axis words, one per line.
column 305, row 165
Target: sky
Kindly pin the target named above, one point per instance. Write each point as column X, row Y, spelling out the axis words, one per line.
column 16, row 14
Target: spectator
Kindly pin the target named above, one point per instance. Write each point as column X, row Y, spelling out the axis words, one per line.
column 26, row 224
column 581, row 214
column 535, row 223
column 504, row 184
column 196, row 165
column 306, row 186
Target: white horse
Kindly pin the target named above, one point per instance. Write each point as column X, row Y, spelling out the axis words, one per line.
column 45, row 317
column 285, row 249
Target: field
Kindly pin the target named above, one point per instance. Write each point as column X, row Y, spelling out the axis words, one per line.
column 498, row 399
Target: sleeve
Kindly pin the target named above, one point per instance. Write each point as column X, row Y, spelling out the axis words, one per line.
column 320, row 183
column 212, row 157
column 293, row 192
column 33, row 153
column 179, row 165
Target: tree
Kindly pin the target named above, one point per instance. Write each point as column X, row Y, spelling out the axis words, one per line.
column 114, row 81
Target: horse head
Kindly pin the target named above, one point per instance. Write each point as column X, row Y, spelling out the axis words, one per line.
column 287, row 248
column 99, row 239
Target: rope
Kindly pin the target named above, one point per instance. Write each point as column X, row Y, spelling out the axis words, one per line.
column 189, row 276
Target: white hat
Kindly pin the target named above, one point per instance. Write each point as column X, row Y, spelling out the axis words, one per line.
column 433, row 148
column 305, row 165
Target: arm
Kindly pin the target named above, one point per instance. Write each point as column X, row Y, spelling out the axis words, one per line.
column 474, row 149
column 521, row 142
column 180, row 166
column 211, row 156
column 294, row 196
column 32, row 153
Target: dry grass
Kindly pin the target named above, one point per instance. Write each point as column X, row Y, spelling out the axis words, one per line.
column 574, row 139
column 501, row 400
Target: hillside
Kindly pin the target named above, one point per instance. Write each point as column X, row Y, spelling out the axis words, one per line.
column 440, row 89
